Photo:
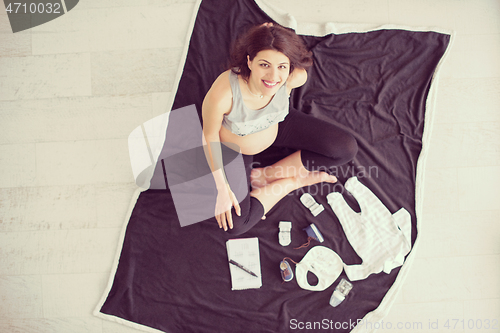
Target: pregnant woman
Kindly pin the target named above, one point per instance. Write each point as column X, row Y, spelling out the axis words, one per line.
column 247, row 106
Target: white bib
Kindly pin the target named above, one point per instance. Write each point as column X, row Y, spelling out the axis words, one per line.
column 322, row 262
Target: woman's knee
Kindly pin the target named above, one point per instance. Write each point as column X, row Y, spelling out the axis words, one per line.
column 240, row 223
column 332, row 151
column 350, row 147
column 343, row 145
column 248, row 220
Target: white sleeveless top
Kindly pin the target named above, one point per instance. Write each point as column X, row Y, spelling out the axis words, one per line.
column 243, row 121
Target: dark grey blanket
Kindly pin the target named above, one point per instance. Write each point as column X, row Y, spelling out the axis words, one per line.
column 373, row 84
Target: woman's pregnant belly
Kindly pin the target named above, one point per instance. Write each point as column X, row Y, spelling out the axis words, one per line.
column 251, row 144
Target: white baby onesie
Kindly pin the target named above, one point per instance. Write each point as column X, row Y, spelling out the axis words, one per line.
column 380, row 239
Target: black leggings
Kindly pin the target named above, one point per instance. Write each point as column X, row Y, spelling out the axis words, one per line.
column 323, row 146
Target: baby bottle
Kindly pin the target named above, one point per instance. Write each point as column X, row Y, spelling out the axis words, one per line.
column 340, row 292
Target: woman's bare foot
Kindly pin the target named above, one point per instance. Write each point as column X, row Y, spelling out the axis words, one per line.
column 315, row 177
column 259, row 178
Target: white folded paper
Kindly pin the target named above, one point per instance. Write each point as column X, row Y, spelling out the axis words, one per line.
column 244, row 251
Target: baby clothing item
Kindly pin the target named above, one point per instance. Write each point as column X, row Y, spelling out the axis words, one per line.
column 308, row 201
column 322, row 262
column 381, row 239
column 243, row 121
column 286, row 271
column 285, row 233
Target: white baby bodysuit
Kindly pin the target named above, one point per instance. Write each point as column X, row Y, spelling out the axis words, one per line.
column 381, row 239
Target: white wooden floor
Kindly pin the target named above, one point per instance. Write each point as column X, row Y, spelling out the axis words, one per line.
column 72, row 90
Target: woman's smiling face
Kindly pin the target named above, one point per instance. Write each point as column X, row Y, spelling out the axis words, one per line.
column 268, row 72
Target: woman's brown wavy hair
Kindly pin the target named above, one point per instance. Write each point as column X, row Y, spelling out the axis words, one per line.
column 275, row 37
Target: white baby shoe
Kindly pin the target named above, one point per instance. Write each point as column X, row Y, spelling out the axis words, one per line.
column 308, row 201
column 285, row 233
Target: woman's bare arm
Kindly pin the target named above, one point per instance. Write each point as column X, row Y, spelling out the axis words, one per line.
column 217, row 102
column 214, row 106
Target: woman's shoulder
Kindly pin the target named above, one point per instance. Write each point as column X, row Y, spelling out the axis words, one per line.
column 296, row 79
column 222, row 86
column 220, row 94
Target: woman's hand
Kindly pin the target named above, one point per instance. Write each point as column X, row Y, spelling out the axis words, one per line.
column 267, row 24
column 225, row 201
